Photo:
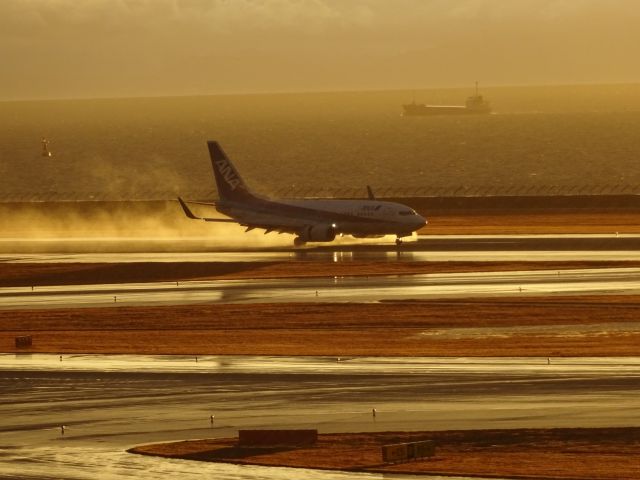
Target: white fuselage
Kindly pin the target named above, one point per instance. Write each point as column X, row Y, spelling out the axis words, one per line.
column 348, row 217
column 311, row 220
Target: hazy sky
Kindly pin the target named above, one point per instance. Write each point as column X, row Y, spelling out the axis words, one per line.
column 96, row 48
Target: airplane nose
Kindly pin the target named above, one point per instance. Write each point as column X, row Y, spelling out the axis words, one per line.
column 421, row 221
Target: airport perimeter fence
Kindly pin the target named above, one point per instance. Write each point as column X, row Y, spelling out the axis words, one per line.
column 323, row 192
column 459, row 191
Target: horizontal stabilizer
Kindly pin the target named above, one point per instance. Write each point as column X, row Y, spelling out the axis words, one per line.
column 370, row 193
column 190, row 214
column 187, row 210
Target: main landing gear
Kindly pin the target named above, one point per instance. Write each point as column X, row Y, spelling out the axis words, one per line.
column 398, row 241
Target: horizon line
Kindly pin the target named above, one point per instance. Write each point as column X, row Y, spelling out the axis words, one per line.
column 316, row 92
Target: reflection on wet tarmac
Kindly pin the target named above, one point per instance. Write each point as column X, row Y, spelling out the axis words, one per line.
column 109, row 403
column 243, row 364
column 425, row 248
column 332, row 289
column 61, row 463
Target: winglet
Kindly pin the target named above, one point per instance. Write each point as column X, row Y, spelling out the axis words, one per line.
column 370, row 192
column 187, row 210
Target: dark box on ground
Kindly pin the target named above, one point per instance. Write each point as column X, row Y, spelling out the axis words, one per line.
column 24, row 341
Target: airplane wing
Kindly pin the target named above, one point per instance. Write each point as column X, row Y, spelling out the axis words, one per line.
column 190, row 214
column 271, row 228
column 268, row 228
column 210, row 204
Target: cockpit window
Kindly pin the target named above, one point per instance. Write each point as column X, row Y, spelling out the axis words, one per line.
column 407, row 212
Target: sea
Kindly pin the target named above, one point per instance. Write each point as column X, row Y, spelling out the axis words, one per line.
column 539, row 140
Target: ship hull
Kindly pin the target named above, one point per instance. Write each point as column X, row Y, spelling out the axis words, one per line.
column 412, row 110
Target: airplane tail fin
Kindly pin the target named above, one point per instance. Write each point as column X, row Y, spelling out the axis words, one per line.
column 228, row 180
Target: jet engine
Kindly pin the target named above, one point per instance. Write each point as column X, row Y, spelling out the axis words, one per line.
column 317, row 233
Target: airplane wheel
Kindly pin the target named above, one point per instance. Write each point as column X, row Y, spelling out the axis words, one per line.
column 398, row 241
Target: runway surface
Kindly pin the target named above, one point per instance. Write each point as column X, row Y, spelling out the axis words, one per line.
column 334, row 289
column 425, row 248
column 110, row 403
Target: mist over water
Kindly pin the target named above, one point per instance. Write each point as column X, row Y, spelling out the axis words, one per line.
column 540, row 140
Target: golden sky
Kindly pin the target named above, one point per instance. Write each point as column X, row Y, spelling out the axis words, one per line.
column 106, row 48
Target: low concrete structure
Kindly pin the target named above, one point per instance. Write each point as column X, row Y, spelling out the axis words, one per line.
column 403, row 452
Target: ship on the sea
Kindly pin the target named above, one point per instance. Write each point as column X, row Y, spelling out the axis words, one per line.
column 474, row 104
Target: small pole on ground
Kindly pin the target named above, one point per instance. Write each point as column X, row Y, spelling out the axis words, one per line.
column 62, row 427
column 211, row 418
column 115, row 299
column 60, row 357
column 373, row 413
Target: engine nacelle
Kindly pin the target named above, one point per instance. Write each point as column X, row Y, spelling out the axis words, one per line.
column 319, row 233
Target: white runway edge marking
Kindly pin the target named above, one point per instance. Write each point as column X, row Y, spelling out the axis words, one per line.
column 563, row 236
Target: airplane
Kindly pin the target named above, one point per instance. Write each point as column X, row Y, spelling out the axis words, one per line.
column 311, row 220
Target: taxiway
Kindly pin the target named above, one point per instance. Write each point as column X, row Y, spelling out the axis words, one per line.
column 110, row 403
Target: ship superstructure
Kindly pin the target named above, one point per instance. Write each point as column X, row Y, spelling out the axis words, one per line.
column 475, row 104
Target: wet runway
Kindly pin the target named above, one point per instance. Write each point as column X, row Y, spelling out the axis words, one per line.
column 424, row 248
column 110, row 403
column 334, row 289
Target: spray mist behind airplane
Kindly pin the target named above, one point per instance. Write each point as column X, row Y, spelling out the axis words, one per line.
column 311, row 220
